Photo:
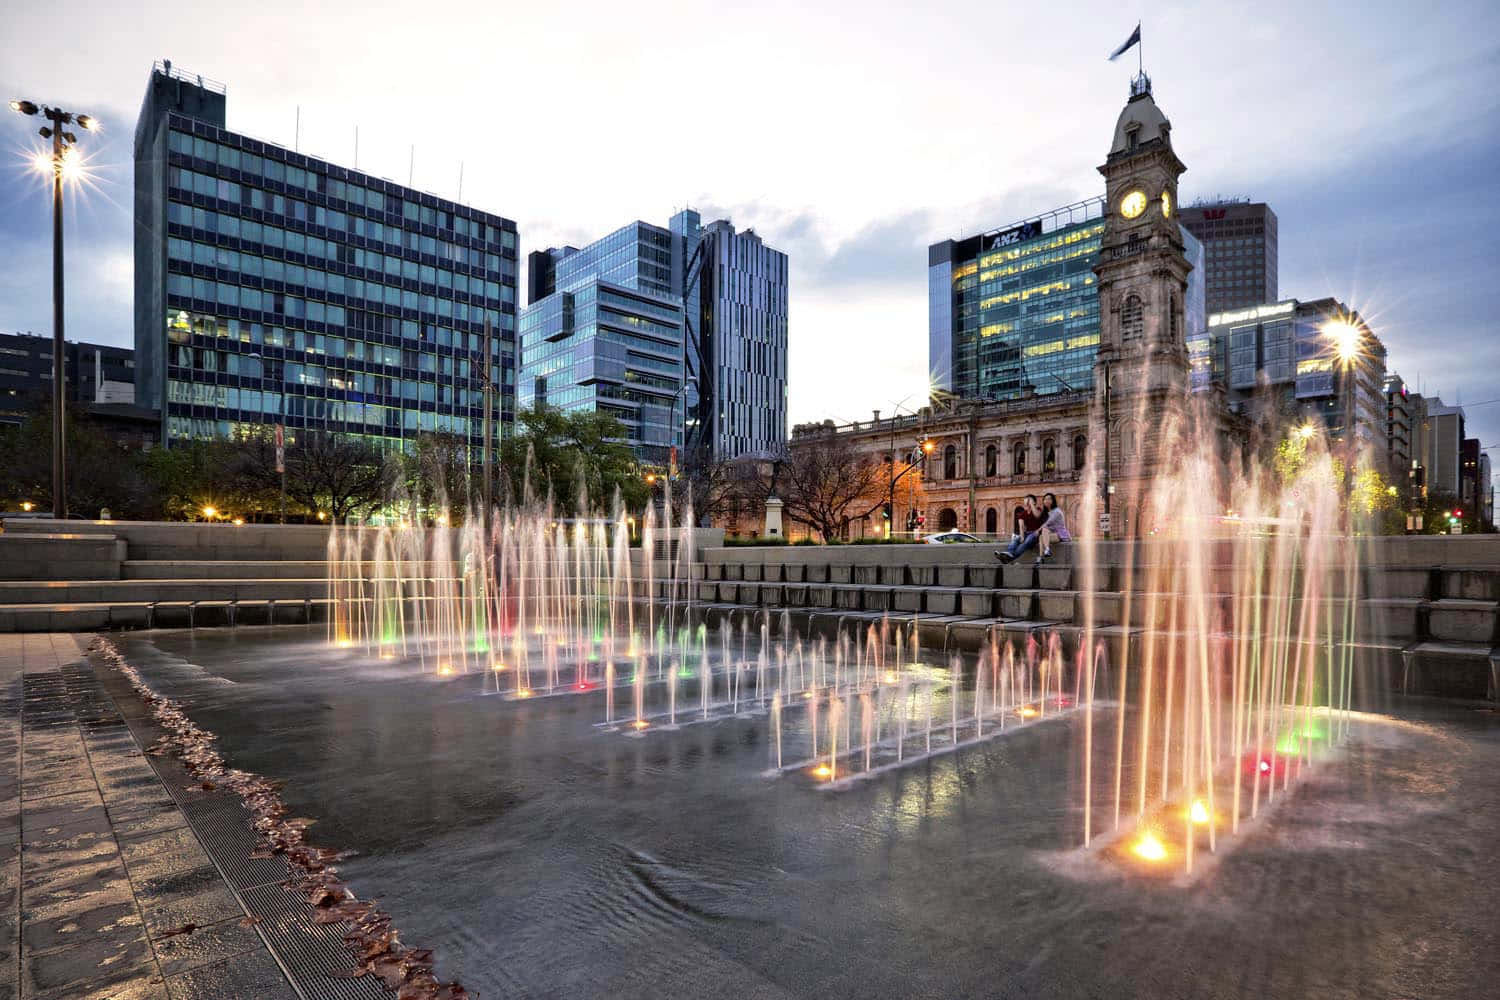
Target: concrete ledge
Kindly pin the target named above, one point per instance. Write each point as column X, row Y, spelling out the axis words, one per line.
column 1457, row 620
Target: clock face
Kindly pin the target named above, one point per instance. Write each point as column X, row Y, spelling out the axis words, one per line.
column 1166, row 204
column 1133, row 204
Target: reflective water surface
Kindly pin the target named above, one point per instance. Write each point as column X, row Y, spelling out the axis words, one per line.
column 541, row 856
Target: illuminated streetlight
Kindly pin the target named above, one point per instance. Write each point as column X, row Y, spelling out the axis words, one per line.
column 26, row 505
column 210, row 512
column 64, row 164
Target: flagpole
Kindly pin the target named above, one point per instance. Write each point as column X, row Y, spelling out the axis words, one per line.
column 1140, row 45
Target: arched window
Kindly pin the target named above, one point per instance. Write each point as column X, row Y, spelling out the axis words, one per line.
column 1018, row 459
column 950, row 462
column 1080, row 450
column 1132, row 318
column 1127, row 442
column 989, row 461
column 1049, row 456
column 947, row 519
column 991, row 519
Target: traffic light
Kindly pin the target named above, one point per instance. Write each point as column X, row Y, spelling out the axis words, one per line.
column 885, row 511
column 921, row 520
column 1458, row 513
column 911, row 521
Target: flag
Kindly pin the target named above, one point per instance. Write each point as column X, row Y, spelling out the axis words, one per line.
column 1134, row 39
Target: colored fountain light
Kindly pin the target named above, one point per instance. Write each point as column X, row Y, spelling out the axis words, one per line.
column 822, row 771
column 1026, row 712
column 1149, row 847
column 1198, row 812
column 524, row 693
column 497, row 667
column 640, row 723
column 445, row 669
column 891, row 678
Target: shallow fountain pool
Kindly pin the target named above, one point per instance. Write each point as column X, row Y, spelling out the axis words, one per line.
column 541, row 856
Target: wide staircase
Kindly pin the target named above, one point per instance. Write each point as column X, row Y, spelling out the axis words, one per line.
column 1427, row 609
column 71, row 575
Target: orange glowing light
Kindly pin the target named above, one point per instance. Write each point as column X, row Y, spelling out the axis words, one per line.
column 640, row 723
column 524, row 693
column 1198, row 812
column 890, row 677
column 344, row 643
column 1026, row 712
column 1149, row 847
column 822, row 771
column 444, row 669
column 807, row 694
column 497, row 667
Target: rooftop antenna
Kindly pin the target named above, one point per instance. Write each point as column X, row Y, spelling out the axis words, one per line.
column 297, row 132
column 356, row 147
column 411, row 165
column 460, row 197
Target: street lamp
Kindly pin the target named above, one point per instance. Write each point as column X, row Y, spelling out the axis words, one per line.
column 1347, row 340
column 65, row 164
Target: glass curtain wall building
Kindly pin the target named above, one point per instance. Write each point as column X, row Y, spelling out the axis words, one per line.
column 606, row 334
column 679, row 332
column 1240, row 240
column 274, row 287
column 736, row 291
column 1015, row 311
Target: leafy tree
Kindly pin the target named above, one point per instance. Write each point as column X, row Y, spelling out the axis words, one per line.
column 342, row 474
column 102, row 472
column 572, row 452
column 438, row 475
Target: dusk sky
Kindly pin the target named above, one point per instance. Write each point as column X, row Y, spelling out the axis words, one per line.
column 848, row 135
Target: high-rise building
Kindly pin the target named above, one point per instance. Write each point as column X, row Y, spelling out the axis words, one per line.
column 1280, row 361
column 92, row 373
column 275, row 287
column 604, row 332
column 1239, row 241
column 1014, row 312
column 1469, row 481
column 1399, row 407
column 679, row 332
column 1442, row 438
column 735, row 292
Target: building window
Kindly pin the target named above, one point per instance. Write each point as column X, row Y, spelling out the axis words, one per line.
column 1132, row 319
column 1049, row 456
column 950, row 462
column 991, row 519
column 1018, row 459
column 947, row 519
column 989, row 461
column 1080, row 450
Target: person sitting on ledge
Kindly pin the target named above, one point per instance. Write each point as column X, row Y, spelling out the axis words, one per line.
column 1053, row 528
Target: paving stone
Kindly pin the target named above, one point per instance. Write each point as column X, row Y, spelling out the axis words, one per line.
column 146, row 818
column 206, row 945
column 251, row 974
column 164, row 854
column 72, row 971
column 89, row 845
column 113, row 920
column 198, row 896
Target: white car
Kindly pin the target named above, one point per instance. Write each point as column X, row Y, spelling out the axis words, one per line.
column 949, row 537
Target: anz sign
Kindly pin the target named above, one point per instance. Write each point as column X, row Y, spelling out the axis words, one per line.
column 1016, row 234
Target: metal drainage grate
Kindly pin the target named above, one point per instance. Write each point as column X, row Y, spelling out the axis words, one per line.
column 311, row 953
column 222, row 825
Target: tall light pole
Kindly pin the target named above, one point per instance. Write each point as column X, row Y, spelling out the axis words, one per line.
column 64, row 164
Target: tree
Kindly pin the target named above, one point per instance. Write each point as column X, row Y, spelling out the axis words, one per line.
column 342, row 474
column 825, row 485
column 438, row 475
column 579, row 454
column 102, row 473
column 713, row 486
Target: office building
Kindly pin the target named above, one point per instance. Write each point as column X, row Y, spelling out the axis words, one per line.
column 275, row 287
column 1014, row 312
column 1400, row 407
column 679, row 332
column 735, row 293
column 1279, row 363
column 1442, row 438
column 92, row 373
column 1239, row 241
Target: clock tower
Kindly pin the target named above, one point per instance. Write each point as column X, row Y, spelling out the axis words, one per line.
column 1141, row 370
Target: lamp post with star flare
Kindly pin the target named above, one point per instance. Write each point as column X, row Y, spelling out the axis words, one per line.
column 65, row 165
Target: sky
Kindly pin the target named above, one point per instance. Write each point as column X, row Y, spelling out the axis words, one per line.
column 850, row 136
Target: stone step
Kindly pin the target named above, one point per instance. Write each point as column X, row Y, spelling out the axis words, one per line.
column 148, row 591
column 182, row 569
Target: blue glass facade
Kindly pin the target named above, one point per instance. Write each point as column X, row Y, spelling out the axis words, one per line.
column 274, row 287
column 1021, row 313
column 679, row 332
column 608, row 335
column 1015, row 311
